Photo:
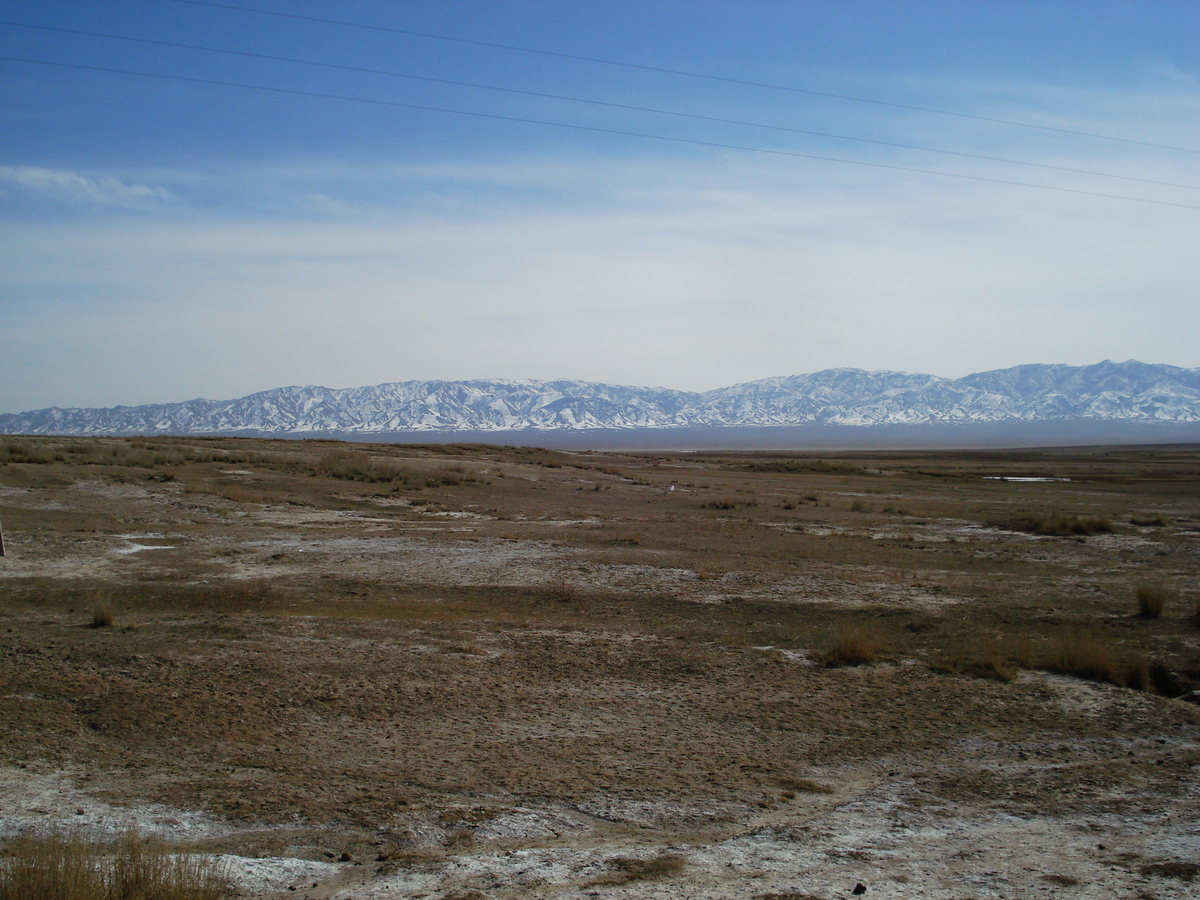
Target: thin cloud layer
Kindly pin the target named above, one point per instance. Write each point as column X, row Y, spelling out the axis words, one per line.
column 71, row 187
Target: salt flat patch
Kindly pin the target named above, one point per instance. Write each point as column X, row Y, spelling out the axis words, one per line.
column 455, row 514
column 900, row 845
column 514, row 869
column 278, row 873
column 1089, row 698
column 1020, row 478
column 397, row 558
column 112, row 491
column 649, row 814
column 820, row 589
column 291, row 516
column 797, row 657
column 531, row 824
column 132, row 541
column 32, row 799
column 24, row 498
column 898, row 841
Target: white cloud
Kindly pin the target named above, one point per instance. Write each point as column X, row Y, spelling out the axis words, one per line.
column 71, row 187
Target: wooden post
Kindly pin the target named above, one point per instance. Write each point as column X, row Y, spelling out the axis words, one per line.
column 1, row 539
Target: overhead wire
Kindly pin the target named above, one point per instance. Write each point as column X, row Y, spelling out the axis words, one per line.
column 594, row 129
column 684, row 73
column 603, row 103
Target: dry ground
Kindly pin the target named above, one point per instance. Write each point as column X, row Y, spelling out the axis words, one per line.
column 474, row 672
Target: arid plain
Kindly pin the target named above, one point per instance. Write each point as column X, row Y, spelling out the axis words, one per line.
column 381, row 671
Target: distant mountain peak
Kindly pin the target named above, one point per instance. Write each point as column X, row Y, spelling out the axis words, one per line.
column 1129, row 391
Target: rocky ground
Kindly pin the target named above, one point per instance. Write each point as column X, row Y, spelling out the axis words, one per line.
column 484, row 673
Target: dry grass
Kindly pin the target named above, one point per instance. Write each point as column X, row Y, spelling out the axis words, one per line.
column 1183, row 871
column 1056, row 522
column 1149, row 521
column 853, row 646
column 804, row 786
column 983, row 658
column 61, row 867
column 1087, row 656
column 521, row 564
column 630, row 869
column 1152, row 599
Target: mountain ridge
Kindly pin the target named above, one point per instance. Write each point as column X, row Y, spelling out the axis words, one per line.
column 1132, row 391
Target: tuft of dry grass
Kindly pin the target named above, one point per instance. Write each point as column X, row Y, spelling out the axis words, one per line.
column 1087, row 656
column 1056, row 522
column 852, row 646
column 980, row 662
column 1184, row 871
column 102, row 617
column 994, row 657
column 1149, row 521
column 563, row 590
column 1152, row 599
column 66, row 867
column 805, row 786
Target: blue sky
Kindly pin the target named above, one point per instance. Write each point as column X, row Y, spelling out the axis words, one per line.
column 163, row 239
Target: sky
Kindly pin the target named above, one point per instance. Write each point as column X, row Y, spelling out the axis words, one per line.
column 677, row 193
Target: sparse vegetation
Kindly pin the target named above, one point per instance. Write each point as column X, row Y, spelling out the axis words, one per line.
column 804, row 786
column 1087, row 656
column 1149, row 521
column 360, row 672
column 1056, row 522
column 981, row 659
column 853, row 646
column 350, row 465
column 1182, row 871
column 725, row 503
column 1152, row 598
column 66, row 867
column 630, row 869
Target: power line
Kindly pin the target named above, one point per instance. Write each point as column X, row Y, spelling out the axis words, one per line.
column 623, row 106
column 592, row 128
column 685, row 73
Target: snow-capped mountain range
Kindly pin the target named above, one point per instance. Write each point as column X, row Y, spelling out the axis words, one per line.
column 1131, row 391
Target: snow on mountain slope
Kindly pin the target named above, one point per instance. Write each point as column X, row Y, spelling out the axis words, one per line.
column 1129, row 392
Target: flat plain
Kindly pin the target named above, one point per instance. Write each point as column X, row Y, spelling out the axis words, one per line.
column 462, row 671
